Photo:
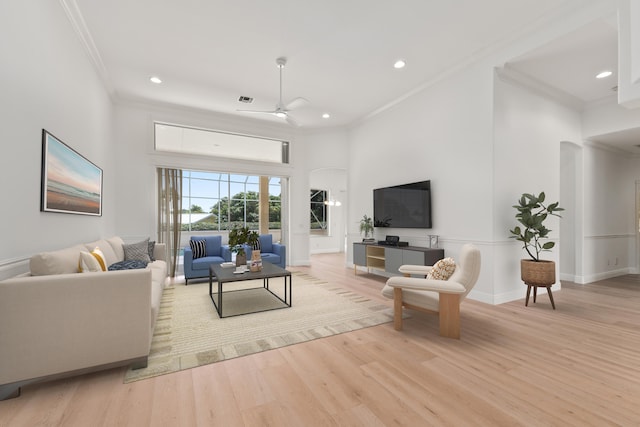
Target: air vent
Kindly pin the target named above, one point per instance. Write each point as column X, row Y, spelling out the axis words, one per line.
column 245, row 99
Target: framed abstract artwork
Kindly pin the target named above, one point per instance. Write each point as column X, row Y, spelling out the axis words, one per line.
column 70, row 182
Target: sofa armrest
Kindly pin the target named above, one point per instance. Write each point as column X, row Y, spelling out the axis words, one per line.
column 226, row 253
column 65, row 322
column 414, row 283
column 188, row 255
column 420, row 270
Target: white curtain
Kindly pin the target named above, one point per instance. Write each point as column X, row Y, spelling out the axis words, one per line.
column 169, row 210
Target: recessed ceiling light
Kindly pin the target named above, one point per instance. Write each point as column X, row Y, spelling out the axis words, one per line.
column 155, row 79
column 400, row 63
column 326, row 115
column 604, row 74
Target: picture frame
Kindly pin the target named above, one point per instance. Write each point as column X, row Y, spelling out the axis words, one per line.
column 70, row 183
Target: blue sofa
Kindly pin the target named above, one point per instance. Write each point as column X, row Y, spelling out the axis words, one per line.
column 275, row 253
column 216, row 253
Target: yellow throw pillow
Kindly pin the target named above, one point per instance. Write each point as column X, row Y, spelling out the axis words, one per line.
column 442, row 269
column 88, row 263
column 99, row 256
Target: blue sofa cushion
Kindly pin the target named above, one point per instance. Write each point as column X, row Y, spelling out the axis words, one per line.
column 266, row 243
column 269, row 257
column 204, row 262
column 198, row 247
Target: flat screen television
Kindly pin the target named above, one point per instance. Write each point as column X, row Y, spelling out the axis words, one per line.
column 403, row 206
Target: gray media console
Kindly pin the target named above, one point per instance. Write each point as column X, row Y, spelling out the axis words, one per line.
column 390, row 258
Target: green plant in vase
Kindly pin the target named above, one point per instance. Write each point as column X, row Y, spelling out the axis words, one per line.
column 240, row 236
column 366, row 227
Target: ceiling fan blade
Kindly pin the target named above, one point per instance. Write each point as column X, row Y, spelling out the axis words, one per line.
column 296, row 103
column 291, row 121
column 258, row 111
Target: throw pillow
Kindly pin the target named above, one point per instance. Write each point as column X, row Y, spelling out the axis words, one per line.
column 256, row 245
column 442, row 269
column 137, row 251
column 88, row 263
column 127, row 265
column 99, row 256
column 152, row 246
column 199, row 248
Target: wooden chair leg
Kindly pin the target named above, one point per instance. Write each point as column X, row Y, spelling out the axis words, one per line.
column 553, row 304
column 449, row 312
column 397, row 309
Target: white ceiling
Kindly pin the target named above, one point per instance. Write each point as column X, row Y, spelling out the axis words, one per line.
column 340, row 53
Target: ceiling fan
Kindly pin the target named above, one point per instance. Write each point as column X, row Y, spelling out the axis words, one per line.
column 281, row 109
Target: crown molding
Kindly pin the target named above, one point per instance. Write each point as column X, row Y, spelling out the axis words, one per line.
column 608, row 148
column 509, row 75
column 79, row 25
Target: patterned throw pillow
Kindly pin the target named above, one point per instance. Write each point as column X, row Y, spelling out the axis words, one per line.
column 99, row 256
column 137, row 251
column 442, row 269
column 256, row 245
column 199, row 248
column 152, row 246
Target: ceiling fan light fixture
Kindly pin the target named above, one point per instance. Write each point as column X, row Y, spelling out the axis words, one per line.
column 280, row 114
column 604, row 74
column 155, row 79
column 326, row 115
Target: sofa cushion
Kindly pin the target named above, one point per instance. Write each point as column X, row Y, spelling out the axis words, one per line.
column 106, row 248
column 266, row 243
column 88, row 263
column 128, row 265
column 204, row 262
column 442, row 269
column 152, row 247
column 137, row 251
column 214, row 245
column 272, row 258
column 117, row 244
column 198, row 247
column 56, row 262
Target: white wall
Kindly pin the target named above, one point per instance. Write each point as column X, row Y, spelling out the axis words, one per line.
column 328, row 161
column 609, row 214
column 47, row 81
column 442, row 134
column 138, row 161
column 529, row 131
column 478, row 163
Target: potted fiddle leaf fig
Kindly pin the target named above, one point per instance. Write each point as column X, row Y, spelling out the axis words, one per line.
column 532, row 211
column 240, row 236
column 366, row 227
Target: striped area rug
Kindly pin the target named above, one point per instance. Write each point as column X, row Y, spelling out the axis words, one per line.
column 189, row 333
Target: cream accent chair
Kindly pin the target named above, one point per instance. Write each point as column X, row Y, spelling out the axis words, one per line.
column 435, row 296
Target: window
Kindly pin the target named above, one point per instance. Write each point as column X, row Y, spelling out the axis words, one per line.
column 181, row 139
column 319, row 212
column 216, row 201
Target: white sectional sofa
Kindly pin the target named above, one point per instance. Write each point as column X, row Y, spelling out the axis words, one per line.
column 56, row 321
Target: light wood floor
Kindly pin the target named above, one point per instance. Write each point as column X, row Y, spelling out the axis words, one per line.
column 514, row 365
